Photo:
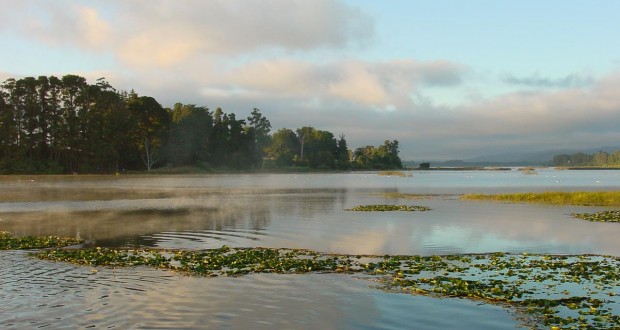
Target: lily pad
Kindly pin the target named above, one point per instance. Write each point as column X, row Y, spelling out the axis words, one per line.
column 10, row 242
column 604, row 216
column 562, row 292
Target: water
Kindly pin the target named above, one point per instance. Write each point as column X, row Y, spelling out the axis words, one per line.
column 275, row 210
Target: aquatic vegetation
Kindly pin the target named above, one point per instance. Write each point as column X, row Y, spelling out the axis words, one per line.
column 10, row 242
column 585, row 198
column 397, row 195
column 388, row 207
column 528, row 171
column 603, row 216
column 395, row 173
column 574, row 292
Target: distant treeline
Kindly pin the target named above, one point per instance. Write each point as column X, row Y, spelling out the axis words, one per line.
column 600, row 158
column 66, row 125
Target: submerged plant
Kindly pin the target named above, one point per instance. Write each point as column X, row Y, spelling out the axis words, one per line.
column 10, row 242
column 388, row 207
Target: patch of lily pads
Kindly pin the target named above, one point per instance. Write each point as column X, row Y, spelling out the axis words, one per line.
column 388, row 208
column 557, row 292
column 603, row 216
column 10, row 242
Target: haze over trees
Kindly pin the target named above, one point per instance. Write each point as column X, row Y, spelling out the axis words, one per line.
column 600, row 158
column 66, row 125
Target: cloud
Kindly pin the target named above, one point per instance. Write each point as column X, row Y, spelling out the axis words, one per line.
column 65, row 24
column 298, row 61
column 546, row 119
column 381, row 85
column 152, row 33
column 571, row 80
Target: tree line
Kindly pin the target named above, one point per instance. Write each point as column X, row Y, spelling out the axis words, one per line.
column 600, row 158
column 66, row 125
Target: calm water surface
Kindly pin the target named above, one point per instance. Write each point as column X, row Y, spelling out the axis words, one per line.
column 275, row 210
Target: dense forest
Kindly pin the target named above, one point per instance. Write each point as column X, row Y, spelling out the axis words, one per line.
column 66, row 125
column 600, row 158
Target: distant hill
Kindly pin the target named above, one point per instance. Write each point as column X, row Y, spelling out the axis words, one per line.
column 545, row 156
column 508, row 159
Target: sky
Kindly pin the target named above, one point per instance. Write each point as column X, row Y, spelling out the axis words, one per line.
column 448, row 79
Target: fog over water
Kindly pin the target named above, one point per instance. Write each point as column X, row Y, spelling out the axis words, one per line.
column 275, row 210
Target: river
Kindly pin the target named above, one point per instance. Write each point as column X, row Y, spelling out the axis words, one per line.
column 275, row 210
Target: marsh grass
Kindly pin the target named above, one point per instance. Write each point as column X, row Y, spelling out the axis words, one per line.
column 397, row 195
column 388, row 208
column 583, row 198
column 395, row 173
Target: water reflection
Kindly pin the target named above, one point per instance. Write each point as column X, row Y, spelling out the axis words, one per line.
column 67, row 296
column 294, row 211
column 246, row 215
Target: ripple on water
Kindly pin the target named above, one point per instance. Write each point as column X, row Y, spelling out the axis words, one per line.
column 38, row 293
column 206, row 239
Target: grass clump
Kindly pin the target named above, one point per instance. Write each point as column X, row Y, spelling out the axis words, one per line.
column 395, row 173
column 584, row 198
column 388, row 207
column 10, row 242
column 398, row 195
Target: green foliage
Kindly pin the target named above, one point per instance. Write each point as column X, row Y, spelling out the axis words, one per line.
column 319, row 149
column 191, row 127
column 424, row 166
column 52, row 125
column 585, row 198
column 603, row 216
column 555, row 291
column 384, row 157
column 284, row 147
column 600, row 158
column 10, row 242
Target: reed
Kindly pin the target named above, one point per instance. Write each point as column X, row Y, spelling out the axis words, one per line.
column 585, row 198
column 395, row 173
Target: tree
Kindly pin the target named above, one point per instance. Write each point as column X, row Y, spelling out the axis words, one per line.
column 74, row 98
column 389, row 153
column 284, row 146
column 379, row 158
column 318, row 148
column 152, row 126
column 239, row 144
column 190, row 134
column 259, row 128
column 342, row 154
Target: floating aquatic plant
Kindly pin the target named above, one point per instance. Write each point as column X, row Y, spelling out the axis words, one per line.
column 388, row 207
column 604, row 216
column 559, row 292
column 10, row 242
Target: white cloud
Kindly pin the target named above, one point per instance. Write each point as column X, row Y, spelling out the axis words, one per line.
column 167, row 32
column 294, row 60
column 377, row 84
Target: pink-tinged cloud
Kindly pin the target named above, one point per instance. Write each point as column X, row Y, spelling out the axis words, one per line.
column 153, row 33
column 382, row 85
